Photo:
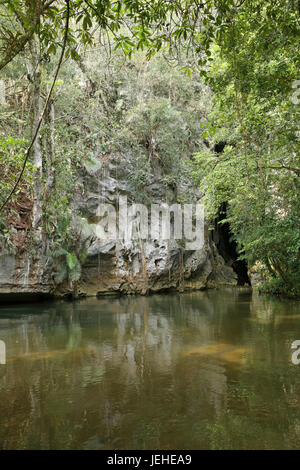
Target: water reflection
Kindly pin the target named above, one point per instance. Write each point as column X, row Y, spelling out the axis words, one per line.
column 200, row 370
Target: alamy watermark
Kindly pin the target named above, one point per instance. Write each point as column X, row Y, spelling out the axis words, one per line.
column 2, row 92
column 296, row 354
column 183, row 222
column 296, row 94
column 2, row 352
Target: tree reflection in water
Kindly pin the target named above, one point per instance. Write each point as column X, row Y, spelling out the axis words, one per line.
column 198, row 370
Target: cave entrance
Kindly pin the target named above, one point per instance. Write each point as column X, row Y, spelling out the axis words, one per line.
column 222, row 238
column 227, row 247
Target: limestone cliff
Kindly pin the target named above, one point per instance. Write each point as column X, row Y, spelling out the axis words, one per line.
column 116, row 267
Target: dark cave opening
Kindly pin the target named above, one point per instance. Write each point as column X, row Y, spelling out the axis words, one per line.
column 219, row 147
column 222, row 238
column 227, row 247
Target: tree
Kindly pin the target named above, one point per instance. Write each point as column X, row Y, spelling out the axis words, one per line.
column 255, row 64
column 133, row 25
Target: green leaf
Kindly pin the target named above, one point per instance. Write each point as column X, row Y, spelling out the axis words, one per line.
column 71, row 260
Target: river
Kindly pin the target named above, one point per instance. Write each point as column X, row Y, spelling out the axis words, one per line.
column 204, row 370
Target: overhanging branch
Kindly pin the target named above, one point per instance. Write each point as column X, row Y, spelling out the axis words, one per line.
column 44, row 110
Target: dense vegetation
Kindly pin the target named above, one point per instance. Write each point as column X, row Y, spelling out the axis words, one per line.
column 255, row 112
column 209, row 85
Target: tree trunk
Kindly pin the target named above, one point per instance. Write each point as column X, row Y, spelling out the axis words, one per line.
column 50, row 151
column 35, row 76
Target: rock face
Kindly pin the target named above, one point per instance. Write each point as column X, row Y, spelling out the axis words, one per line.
column 128, row 268
column 115, row 266
column 22, row 277
column 134, row 266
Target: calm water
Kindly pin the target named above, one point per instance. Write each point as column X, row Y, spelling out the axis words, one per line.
column 207, row 370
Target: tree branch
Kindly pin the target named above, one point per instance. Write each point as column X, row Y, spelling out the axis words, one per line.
column 21, row 42
column 284, row 167
column 44, row 110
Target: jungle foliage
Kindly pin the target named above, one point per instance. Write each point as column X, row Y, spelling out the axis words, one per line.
column 255, row 112
column 225, row 71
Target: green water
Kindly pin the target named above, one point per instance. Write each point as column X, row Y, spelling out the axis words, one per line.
column 207, row 370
